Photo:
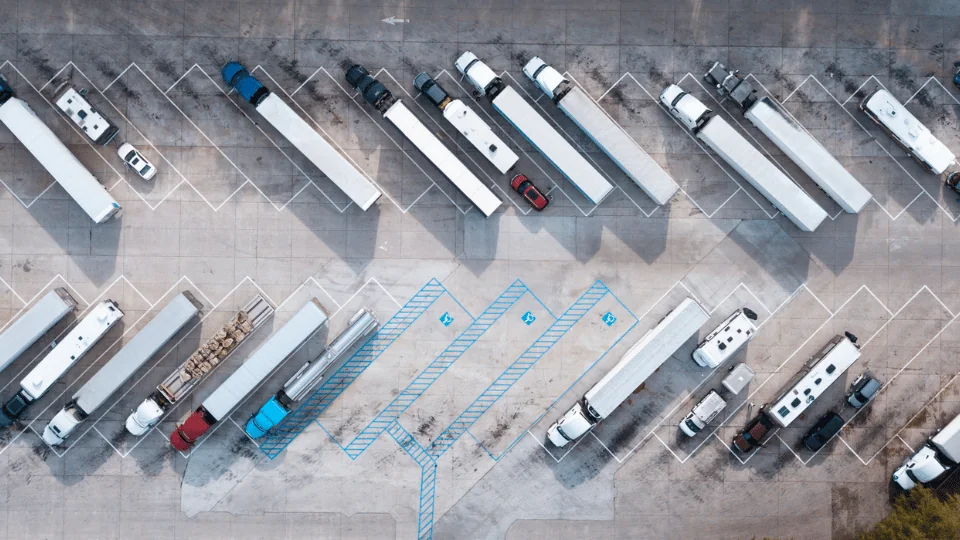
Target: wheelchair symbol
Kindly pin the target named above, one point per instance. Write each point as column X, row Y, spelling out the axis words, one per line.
column 609, row 318
column 528, row 318
column 446, row 319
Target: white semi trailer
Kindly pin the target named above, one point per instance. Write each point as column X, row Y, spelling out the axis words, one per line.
column 323, row 156
column 468, row 124
column 792, row 139
column 122, row 366
column 65, row 355
column 636, row 366
column 55, row 157
column 394, row 110
column 535, row 129
column 201, row 363
column 763, row 175
column 938, row 455
column 603, row 131
column 25, row 331
column 244, row 380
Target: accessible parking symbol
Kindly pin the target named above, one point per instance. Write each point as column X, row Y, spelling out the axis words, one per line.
column 609, row 318
column 446, row 318
column 528, row 318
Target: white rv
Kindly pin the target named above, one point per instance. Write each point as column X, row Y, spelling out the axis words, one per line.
column 907, row 131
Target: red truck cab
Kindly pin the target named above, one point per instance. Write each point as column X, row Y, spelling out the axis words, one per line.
column 192, row 429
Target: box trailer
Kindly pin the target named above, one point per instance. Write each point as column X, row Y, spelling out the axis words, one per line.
column 360, row 327
column 295, row 129
column 938, row 455
column 734, row 149
column 55, row 157
column 468, row 124
column 621, row 148
column 792, row 139
column 58, row 361
column 32, row 325
column 535, row 129
column 213, row 353
column 246, row 378
column 636, row 366
column 907, row 131
column 174, row 316
column 394, row 110
column 85, row 116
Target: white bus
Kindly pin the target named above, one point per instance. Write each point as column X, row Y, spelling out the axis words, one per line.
column 25, row 331
column 56, row 158
column 65, row 355
column 907, row 131
column 820, row 371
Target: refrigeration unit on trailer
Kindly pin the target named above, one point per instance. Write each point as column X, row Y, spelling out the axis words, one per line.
column 55, row 157
column 295, row 129
column 202, row 362
column 792, row 139
column 535, row 129
column 95, row 392
column 938, row 455
column 58, row 361
column 246, row 378
column 86, row 117
column 638, row 364
column 603, row 131
column 394, row 110
column 727, row 339
column 763, row 175
column 907, row 131
column 360, row 327
column 468, row 124
column 32, row 325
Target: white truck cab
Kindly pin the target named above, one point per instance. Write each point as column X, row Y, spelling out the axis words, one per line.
column 570, row 427
column 546, row 77
column 923, row 467
column 478, row 73
column 142, row 419
column 689, row 110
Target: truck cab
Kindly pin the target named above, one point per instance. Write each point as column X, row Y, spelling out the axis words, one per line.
column 923, row 467
column 689, row 110
column 372, row 90
column 62, row 425
column 479, row 74
column 249, row 88
column 545, row 77
column 12, row 409
column 571, row 426
column 6, row 91
column 433, row 91
column 702, row 414
column 191, row 429
column 145, row 417
column 271, row 414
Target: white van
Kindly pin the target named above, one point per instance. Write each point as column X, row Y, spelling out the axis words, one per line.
column 702, row 414
column 726, row 339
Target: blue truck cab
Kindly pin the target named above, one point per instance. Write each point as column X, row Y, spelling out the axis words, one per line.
column 6, row 91
column 956, row 76
column 249, row 88
column 266, row 418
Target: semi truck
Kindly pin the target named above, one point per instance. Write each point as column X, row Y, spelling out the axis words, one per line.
column 244, row 380
column 397, row 113
column 907, row 131
column 55, row 157
column 468, row 124
column 636, row 366
column 58, row 361
column 174, row 316
column 938, row 455
column 213, row 353
column 763, row 175
column 603, row 131
column 791, row 138
column 360, row 327
column 324, row 157
column 32, row 325
column 535, row 129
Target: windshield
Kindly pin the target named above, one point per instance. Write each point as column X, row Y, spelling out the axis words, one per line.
column 145, row 170
column 130, row 155
column 692, row 425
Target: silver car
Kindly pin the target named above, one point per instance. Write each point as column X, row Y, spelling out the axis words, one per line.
column 863, row 389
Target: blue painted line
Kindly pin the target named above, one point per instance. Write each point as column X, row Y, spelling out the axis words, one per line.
column 518, row 368
column 392, row 412
column 294, row 424
column 428, row 478
column 537, row 298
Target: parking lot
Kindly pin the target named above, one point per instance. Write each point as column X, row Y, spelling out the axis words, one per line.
column 490, row 328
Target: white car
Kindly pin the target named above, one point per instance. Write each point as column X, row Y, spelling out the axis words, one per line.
column 136, row 161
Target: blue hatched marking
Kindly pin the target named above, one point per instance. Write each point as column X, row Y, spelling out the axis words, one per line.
column 438, row 367
column 297, row 421
column 518, row 368
column 428, row 477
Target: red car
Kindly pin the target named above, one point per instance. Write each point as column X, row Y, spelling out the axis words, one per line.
column 522, row 185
